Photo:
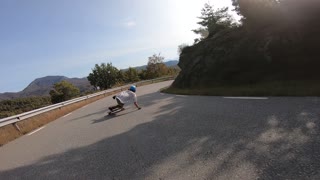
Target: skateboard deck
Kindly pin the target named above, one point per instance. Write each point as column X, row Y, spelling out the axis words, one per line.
column 113, row 112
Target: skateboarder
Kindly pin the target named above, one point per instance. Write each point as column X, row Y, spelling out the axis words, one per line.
column 125, row 97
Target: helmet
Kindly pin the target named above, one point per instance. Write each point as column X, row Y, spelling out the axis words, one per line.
column 133, row 88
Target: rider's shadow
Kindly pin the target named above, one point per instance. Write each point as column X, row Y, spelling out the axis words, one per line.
column 107, row 117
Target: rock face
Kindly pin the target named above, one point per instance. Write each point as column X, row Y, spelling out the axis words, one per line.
column 200, row 63
column 192, row 66
column 235, row 57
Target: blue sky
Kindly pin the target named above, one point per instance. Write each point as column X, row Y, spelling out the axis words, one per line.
column 68, row 37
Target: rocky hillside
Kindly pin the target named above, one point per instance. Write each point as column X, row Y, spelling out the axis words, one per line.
column 265, row 47
column 42, row 87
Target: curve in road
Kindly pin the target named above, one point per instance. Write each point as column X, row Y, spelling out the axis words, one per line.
column 174, row 137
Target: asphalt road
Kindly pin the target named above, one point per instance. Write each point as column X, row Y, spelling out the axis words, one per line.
column 174, row 137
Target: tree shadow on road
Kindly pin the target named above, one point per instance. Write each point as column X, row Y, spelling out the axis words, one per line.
column 198, row 138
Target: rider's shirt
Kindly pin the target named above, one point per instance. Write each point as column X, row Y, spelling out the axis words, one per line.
column 127, row 97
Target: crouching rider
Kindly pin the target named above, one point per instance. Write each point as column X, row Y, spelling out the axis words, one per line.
column 125, row 97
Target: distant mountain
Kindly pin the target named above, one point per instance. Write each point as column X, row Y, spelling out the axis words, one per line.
column 9, row 95
column 170, row 63
column 42, row 87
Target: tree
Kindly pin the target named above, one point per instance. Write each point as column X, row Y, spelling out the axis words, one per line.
column 63, row 91
column 120, row 77
column 143, row 74
column 173, row 71
column 156, row 67
column 131, row 75
column 258, row 13
column 213, row 21
column 104, row 76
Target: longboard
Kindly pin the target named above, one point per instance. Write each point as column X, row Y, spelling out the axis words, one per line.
column 113, row 112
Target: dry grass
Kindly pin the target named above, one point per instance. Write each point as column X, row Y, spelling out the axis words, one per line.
column 8, row 133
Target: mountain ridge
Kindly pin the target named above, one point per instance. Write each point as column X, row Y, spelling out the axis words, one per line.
column 42, row 86
column 168, row 63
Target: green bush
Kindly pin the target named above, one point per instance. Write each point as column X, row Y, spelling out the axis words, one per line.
column 20, row 105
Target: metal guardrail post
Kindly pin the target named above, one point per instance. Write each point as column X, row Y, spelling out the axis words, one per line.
column 17, row 127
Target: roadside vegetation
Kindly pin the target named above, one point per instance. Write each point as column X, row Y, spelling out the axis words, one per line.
column 63, row 91
column 18, row 106
column 103, row 76
column 271, row 51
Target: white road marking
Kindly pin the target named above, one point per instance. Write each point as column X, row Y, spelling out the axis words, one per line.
column 36, row 130
column 66, row 115
column 181, row 95
column 262, row 98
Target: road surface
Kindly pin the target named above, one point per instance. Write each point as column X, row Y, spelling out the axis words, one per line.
column 174, row 137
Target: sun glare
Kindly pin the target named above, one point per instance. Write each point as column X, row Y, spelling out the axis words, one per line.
column 184, row 16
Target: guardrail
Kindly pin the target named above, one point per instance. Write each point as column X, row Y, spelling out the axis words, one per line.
column 26, row 115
